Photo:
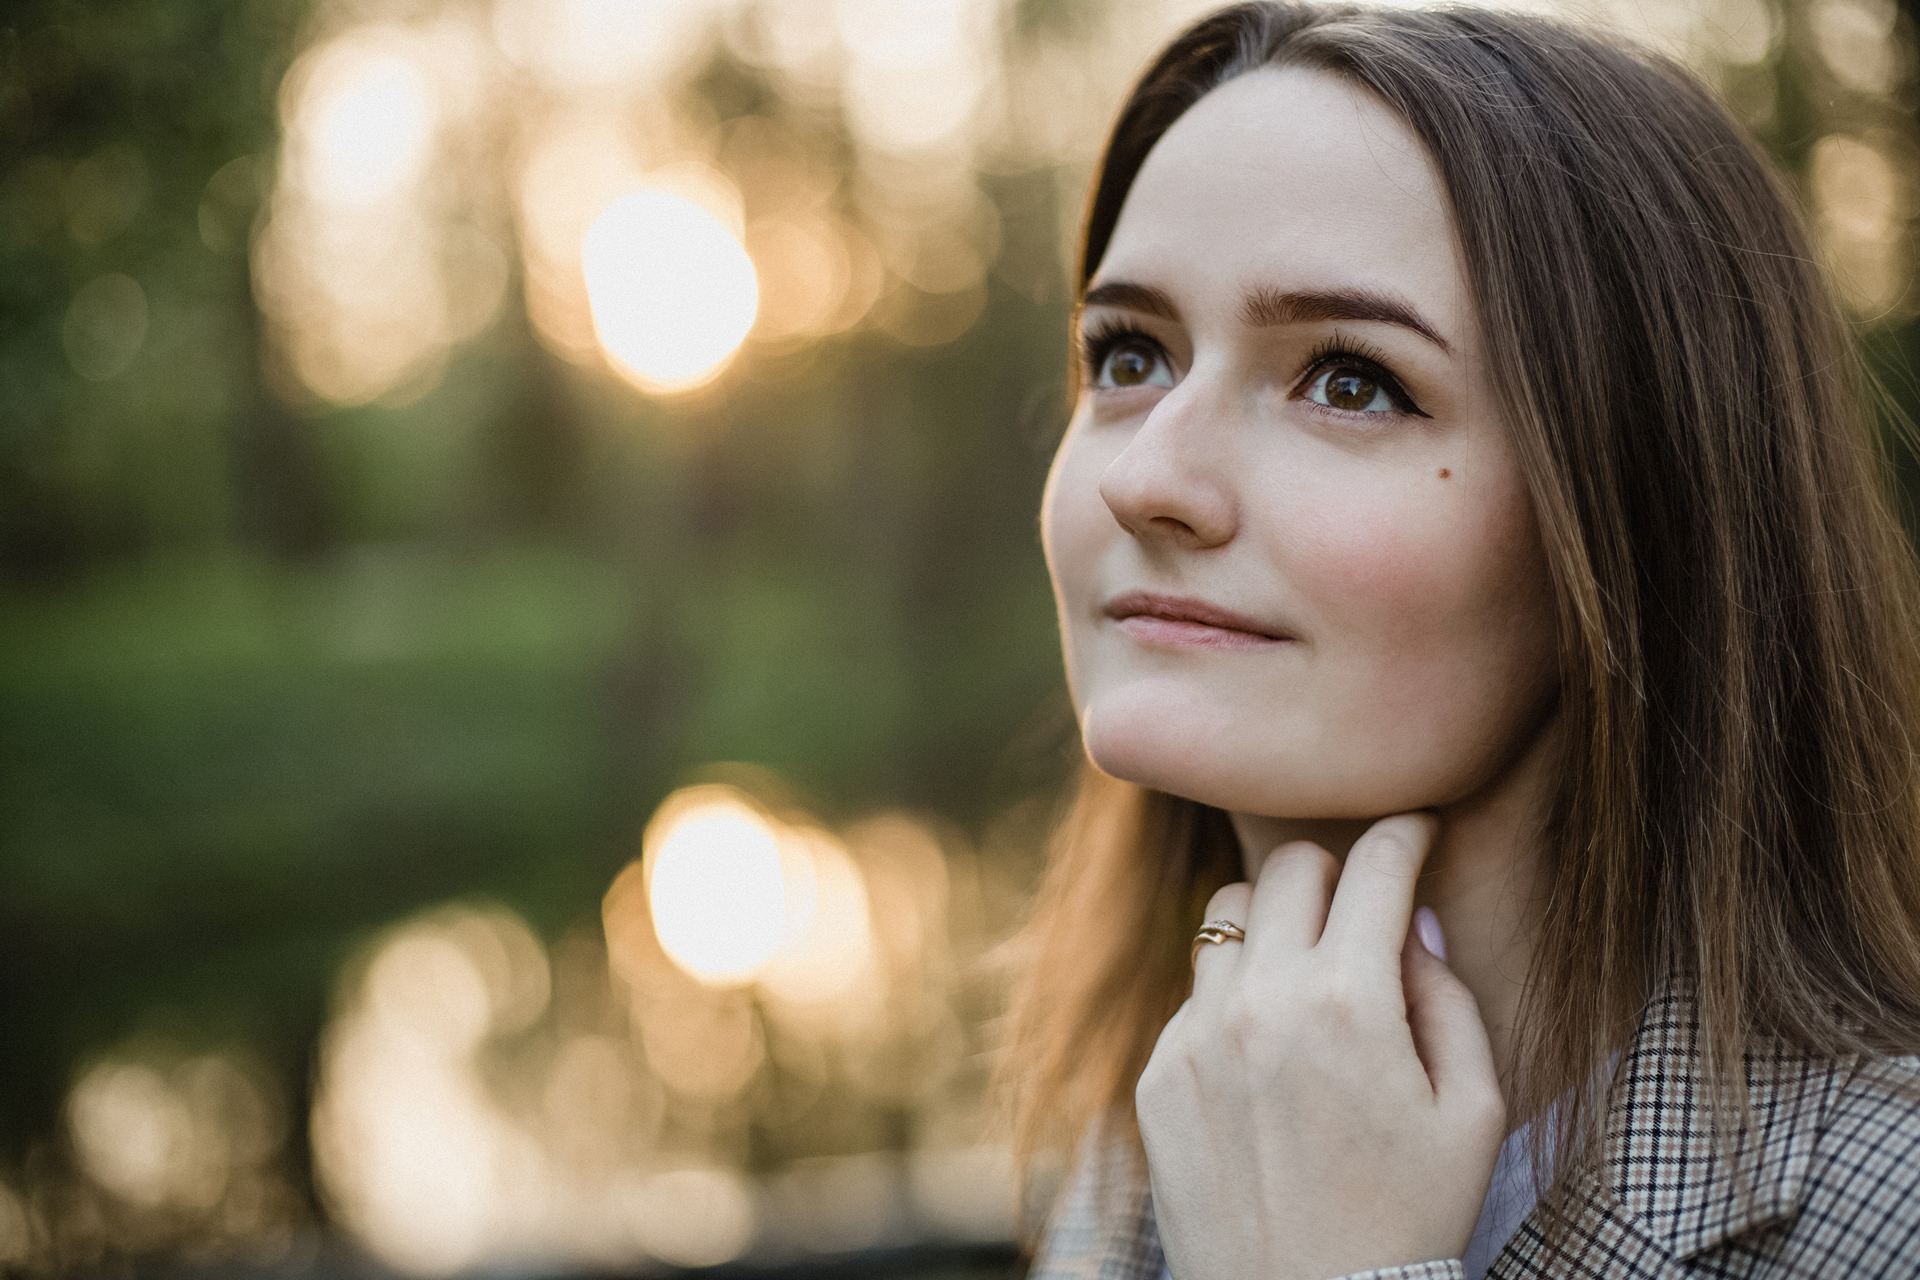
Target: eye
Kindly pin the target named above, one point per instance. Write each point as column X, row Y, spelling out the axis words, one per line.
column 1350, row 381
column 1354, row 390
column 1120, row 358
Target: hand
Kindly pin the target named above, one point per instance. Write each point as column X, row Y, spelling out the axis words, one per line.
column 1325, row 1102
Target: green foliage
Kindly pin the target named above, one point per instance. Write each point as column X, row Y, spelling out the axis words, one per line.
column 271, row 681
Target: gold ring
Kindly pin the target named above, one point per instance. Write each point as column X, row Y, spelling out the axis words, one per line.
column 1216, row 931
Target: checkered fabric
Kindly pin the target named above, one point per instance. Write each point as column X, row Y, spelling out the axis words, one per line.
column 1825, row 1181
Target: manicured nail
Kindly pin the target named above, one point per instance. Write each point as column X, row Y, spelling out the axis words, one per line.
column 1427, row 925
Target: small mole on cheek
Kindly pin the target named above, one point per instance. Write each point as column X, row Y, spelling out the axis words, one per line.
column 1444, row 473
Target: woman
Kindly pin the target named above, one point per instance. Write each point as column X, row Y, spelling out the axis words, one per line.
column 1483, row 611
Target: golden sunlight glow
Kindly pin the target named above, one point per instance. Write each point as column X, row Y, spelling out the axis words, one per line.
column 478, row 1104
column 917, row 70
column 133, row 1132
column 415, row 1156
column 191, row 1139
column 1857, row 41
column 483, row 1100
column 672, row 290
column 575, row 43
column 829, row 942
column 365, row 280
column 362, row 117
column 431, row 150
column 1862, row 212
column 693, row 1217
column 717, row 885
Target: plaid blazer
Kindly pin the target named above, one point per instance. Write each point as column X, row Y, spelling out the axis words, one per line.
column 1832, row 1161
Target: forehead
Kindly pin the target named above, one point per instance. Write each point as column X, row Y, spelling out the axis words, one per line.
column 1294, row 178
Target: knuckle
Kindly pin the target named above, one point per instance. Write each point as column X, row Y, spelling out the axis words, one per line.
column 1337, row 999
column 1300, row 855
column 1327, row 865
column 1230, row 900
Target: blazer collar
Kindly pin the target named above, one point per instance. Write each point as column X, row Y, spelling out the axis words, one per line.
column 1661, row 1160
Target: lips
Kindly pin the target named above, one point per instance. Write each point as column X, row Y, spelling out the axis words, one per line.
column 1182, row 621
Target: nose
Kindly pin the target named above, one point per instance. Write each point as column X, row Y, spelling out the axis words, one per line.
column 1170, row 483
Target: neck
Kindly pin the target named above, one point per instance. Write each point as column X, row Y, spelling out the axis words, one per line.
column 1481, row 879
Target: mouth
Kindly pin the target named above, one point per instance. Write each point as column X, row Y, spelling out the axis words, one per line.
column 1184, row 622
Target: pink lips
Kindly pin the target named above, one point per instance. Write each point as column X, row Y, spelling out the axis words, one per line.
column 1183, row 622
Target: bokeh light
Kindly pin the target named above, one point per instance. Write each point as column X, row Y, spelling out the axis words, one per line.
column 106, row 323
column 1861, row 207
column 361, row 118
column 375, row 256
column 827, row 946
column 483, row 1097
column 693, row 1217
column 179, row 1144
column 410, row 1149
column 420, row 141
column 718, row 885
column 672, row 290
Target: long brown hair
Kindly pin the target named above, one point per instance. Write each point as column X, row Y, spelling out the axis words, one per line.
column 1737, row 806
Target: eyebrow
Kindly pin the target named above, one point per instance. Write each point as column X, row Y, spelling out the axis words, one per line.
column 1267, row 307
column 1143, row 298
column 1263, row 307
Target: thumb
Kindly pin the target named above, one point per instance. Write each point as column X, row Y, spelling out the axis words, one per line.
column 1443, row 1015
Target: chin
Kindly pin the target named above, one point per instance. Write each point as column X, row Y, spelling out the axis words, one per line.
column 1194, row 758
column 1202, row 754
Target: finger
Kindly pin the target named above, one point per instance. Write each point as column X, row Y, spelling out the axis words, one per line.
column 1214, row 963
column 1445, row 1019
column 1289, row 907
column 1373, row 903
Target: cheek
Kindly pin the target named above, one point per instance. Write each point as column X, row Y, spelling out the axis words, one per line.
column 1381, row 568
column 1074, row 523
column 1427, row 594
column 1368, row 569
column 1075, row 531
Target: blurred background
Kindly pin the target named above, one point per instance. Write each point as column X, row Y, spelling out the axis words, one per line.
column 528, row 698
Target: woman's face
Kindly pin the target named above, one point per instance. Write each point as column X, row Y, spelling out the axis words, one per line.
column 1297, row 568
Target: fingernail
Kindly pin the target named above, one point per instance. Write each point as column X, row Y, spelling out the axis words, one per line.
column 1427, row 925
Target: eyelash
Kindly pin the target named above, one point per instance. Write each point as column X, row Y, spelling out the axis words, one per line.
column 1099, row 342
column 1339, row 352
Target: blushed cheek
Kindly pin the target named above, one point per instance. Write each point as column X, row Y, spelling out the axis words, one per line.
column 1376, row 572
column 1427, row 591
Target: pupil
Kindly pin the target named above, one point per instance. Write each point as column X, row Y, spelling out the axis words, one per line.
column 1350, row 391
column 1131, row 367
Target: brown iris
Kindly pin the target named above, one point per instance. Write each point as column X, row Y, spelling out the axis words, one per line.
column 1349, row 390
column 1130, row 366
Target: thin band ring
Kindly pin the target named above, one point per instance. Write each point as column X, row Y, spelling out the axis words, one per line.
column 1214, row 932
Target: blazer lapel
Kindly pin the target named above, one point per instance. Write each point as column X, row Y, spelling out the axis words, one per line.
column 1661, row 1159
column 1663, row 1190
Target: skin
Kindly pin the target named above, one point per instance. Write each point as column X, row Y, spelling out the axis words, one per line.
column 1375, row 706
